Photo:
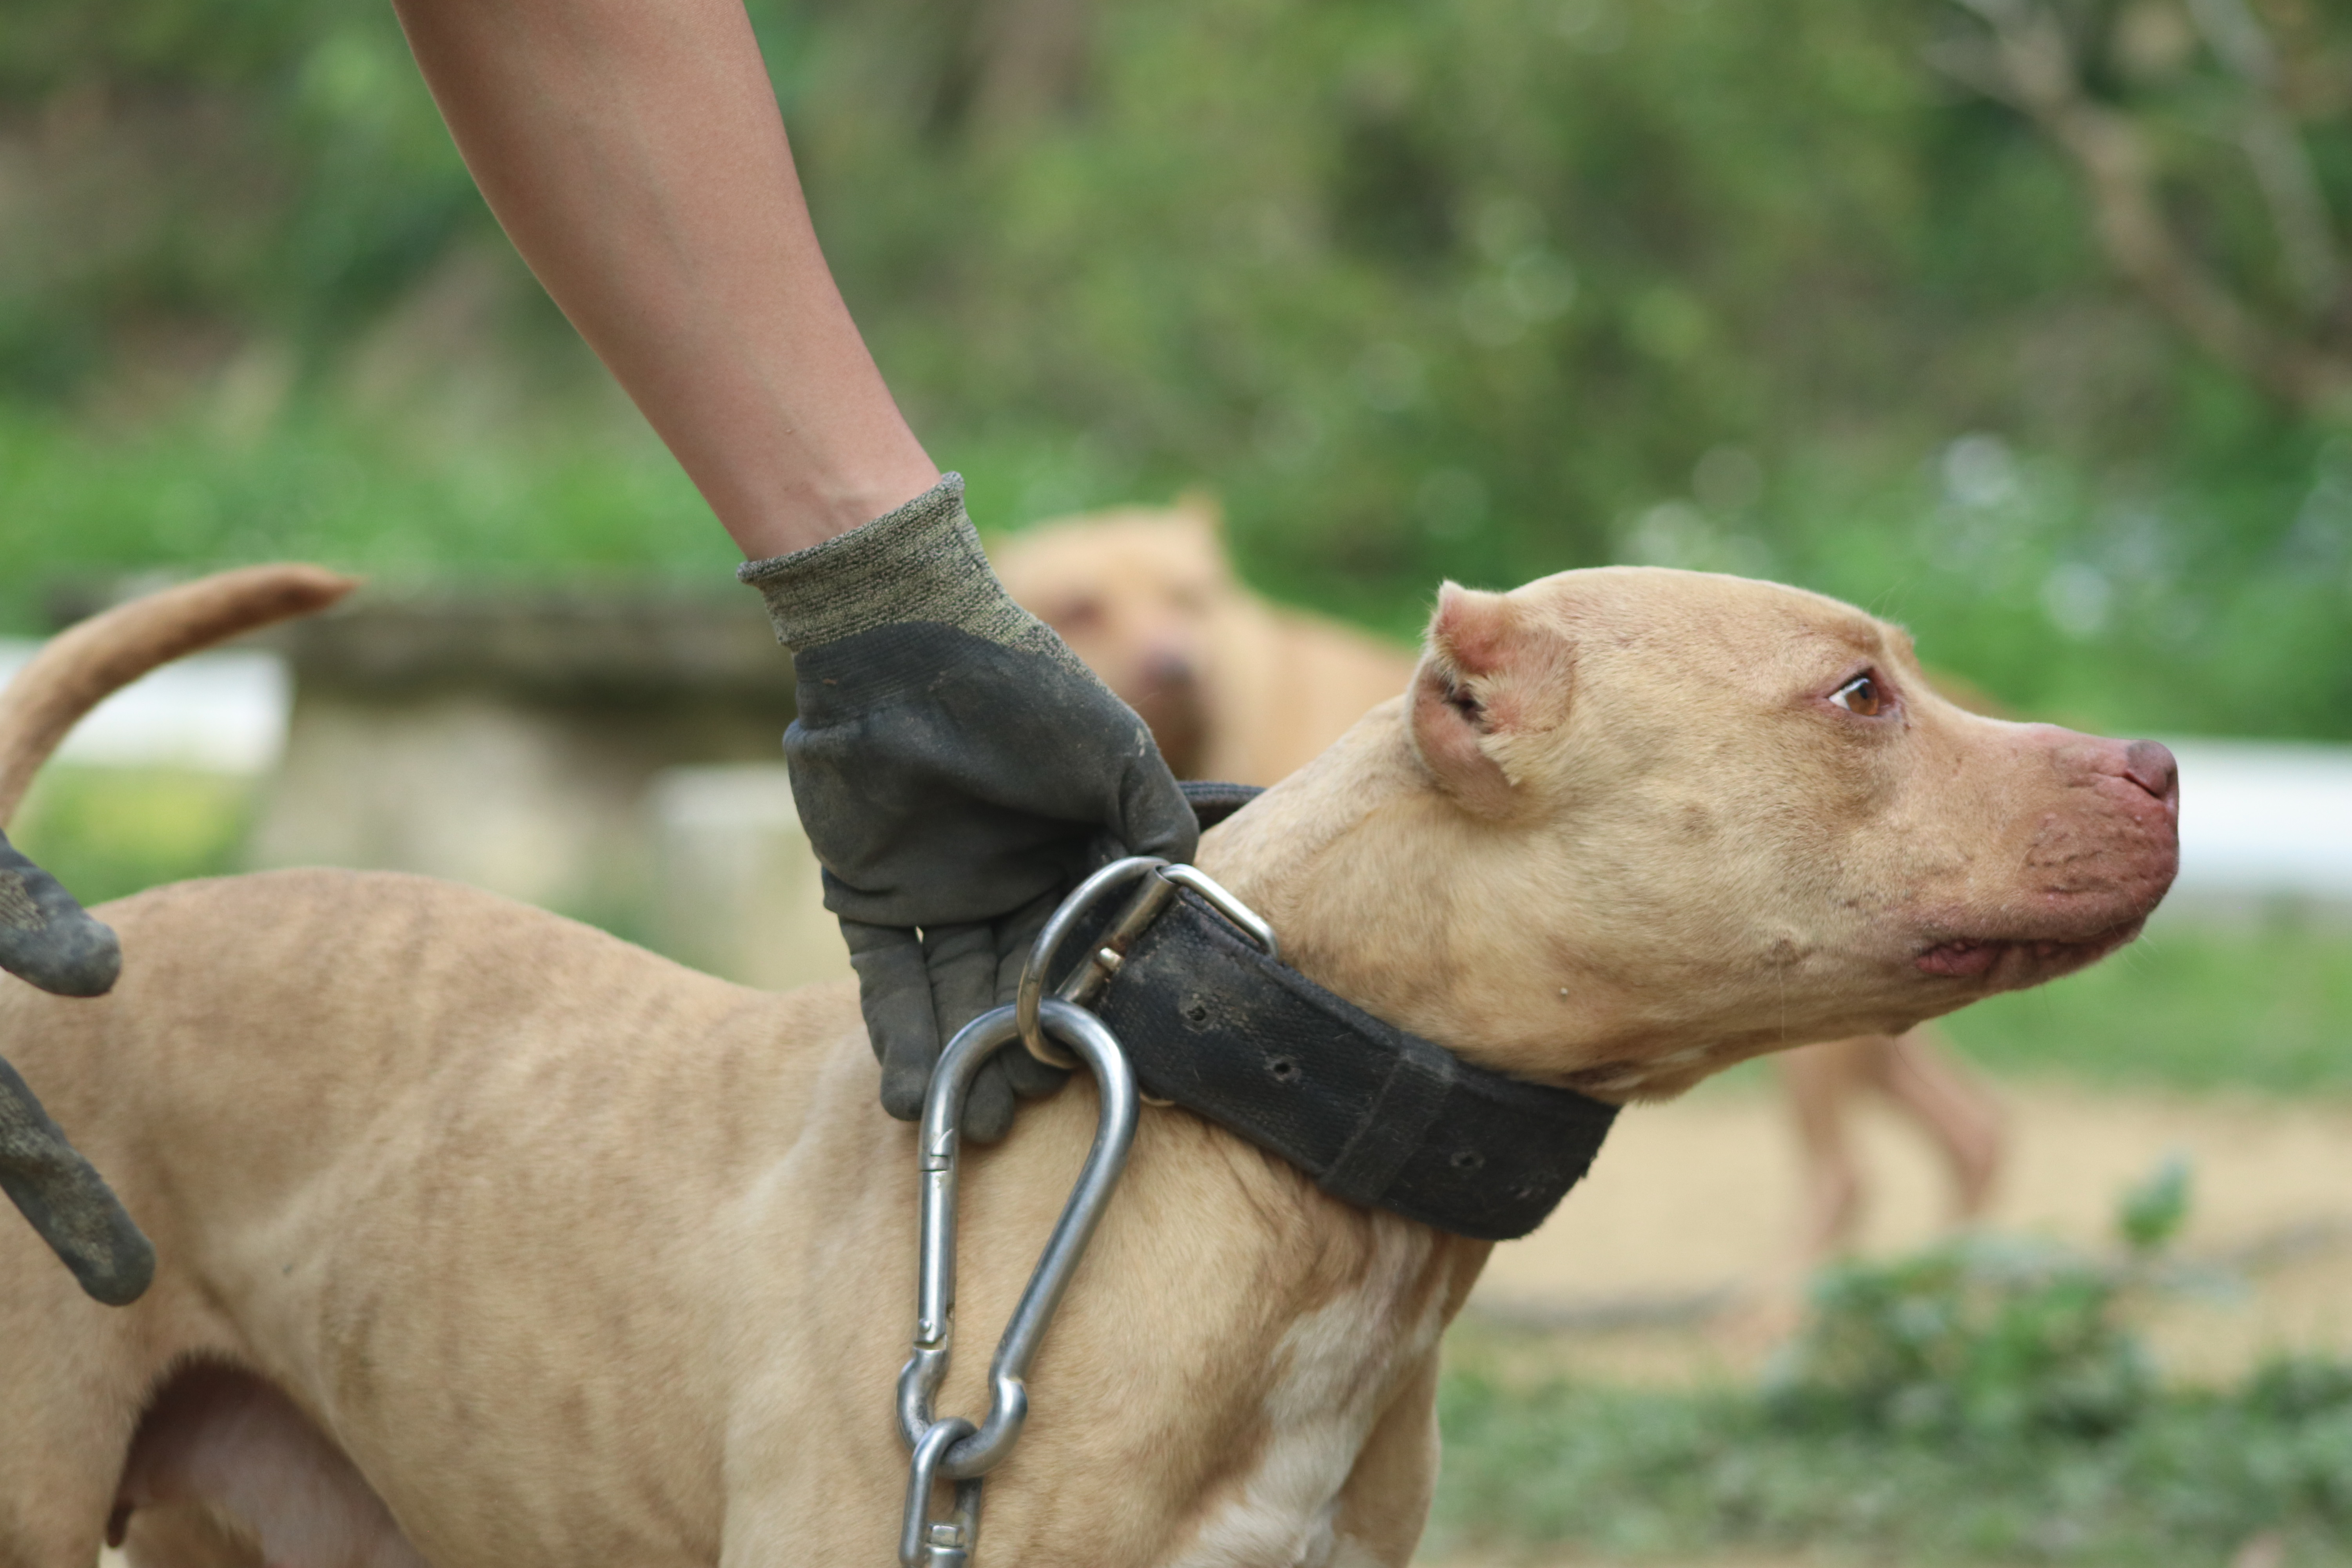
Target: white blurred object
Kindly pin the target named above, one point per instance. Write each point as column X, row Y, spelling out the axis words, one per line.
column 740, row 891
column 2259, row 820
column 216, row 712
column 2265, row 819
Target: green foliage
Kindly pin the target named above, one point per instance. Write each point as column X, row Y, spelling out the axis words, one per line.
column 1422, row 287
column 1975, row 1340
column 110, row 832
column 192, row 171
column 399, row 509
column 1984, row 1338
column 2151, row 1213
column 1635, row 1474
column 1984, row 1400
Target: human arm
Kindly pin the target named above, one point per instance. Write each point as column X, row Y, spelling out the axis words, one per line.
column 634, row 154
column 955, row 767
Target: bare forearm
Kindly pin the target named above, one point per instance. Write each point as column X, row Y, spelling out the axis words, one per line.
column 633, row 151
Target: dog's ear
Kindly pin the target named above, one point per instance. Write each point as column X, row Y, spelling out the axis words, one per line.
column 1491, row 680
column 1199, row 504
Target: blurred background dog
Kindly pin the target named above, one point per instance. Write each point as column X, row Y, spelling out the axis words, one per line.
column 1234, row 686
column 1238, row 688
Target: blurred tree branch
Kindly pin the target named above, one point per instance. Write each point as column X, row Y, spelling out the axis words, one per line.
column 999, row 67
column 2026, row 59
column 2282, row 167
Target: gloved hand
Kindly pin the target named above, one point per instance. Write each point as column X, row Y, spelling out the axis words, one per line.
column 47, row 940
column 959, row 770
column 44, row 937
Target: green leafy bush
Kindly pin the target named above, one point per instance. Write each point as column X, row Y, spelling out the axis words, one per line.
column 1980, row 1400
column 1632, row 1473
column 1984, row 1337
column 1975, row 1340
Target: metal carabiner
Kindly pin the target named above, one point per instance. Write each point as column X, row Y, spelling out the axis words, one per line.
column 964, row 1456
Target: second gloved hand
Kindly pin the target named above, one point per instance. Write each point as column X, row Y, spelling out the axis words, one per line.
column 959, row 770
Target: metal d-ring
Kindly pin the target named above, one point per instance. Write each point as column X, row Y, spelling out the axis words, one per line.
column 1254, row 924
column 1161, row 880
column 968, row 1455
column 1088, row 978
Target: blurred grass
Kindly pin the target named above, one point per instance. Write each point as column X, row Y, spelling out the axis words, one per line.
column 582, row 490
column 2262, row 1006
column 401, row 504
column 1637, row 1474
column 110, row 832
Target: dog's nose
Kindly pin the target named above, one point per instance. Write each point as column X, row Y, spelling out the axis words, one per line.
column 2149, row 765
column 1166, row 667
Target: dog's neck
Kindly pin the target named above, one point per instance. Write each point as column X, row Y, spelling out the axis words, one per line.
column 1362, row 865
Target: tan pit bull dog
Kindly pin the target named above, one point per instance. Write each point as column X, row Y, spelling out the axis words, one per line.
column 1235, row 686
column 487, row 1240
column 1239, row 688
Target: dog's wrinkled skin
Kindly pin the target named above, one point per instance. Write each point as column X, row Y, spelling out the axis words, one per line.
column 566, row 1254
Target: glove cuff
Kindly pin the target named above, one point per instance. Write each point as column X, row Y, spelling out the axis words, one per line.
column 920, row 562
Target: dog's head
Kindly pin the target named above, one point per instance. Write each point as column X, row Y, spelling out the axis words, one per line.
column 1642, row 824
column 1133, row 592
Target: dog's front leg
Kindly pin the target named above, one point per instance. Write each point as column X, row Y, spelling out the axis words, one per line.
column 1385, row 1502
column 70, row 1383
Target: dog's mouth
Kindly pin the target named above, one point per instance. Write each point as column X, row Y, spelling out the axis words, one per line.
column 2011, row 963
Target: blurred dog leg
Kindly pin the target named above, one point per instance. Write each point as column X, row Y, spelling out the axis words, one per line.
column 1820, row 1081
column 1950, row 1108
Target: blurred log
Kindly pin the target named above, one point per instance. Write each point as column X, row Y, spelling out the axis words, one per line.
column 513, row 741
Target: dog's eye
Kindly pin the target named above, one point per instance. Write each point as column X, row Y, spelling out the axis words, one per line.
column 1861, row 695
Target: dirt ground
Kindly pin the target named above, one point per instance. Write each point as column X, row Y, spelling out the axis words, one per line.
column 1676, row 1258
column 1732, row 1561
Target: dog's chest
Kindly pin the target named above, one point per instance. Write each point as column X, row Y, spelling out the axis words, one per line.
column 1327, row 1385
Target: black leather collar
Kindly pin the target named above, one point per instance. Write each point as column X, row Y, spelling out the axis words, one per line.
column 1376, row 1116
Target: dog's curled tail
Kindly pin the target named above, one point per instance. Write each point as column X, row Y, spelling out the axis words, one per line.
column 80, row 667
column 46, row 937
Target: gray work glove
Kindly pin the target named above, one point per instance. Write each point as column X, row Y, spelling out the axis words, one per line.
column 959, row 770
column 44, row 937
column 47, row 940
